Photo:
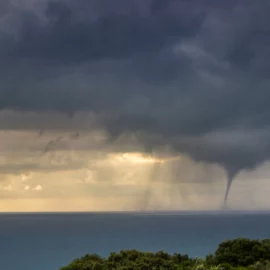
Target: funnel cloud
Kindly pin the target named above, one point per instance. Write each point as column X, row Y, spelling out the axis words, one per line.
column 189, row 76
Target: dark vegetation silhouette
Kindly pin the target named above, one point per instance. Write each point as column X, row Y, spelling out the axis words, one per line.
column 237, row 254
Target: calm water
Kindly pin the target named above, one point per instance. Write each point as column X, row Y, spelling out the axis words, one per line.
column 48, row 241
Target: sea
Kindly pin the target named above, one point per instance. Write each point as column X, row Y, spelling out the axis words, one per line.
column 47, row 241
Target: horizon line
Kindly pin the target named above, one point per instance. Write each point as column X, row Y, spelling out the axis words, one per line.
column 179, row 212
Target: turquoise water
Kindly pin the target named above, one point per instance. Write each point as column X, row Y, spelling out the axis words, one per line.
column 48, row 241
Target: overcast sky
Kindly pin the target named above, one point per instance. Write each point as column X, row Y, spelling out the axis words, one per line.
column 134, row 105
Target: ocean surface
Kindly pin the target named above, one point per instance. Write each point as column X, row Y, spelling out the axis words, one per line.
column 48, row 241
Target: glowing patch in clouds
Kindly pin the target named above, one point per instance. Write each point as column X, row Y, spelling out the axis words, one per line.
column 8, row 188
column 38, row 188
column 136, row 158
column 26, row 177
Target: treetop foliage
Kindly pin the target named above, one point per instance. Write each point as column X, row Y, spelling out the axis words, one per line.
column 237, row 254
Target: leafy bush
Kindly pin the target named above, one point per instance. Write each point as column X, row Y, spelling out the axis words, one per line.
column 237, row 254
column 241, row 252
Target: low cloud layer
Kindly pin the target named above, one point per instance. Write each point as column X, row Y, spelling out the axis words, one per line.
column 188, row 76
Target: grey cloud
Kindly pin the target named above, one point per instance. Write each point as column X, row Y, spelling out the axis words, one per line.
column 117, row 33
column 15, row 169
column 177, row 73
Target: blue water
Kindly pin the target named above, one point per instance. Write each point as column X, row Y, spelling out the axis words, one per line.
column 48, row 241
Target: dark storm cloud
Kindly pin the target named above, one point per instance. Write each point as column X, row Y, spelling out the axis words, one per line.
column 72, row 33
column 193, row 75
